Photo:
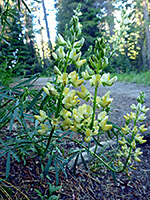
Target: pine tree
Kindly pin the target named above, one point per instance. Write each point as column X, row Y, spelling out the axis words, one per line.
column 88, row 19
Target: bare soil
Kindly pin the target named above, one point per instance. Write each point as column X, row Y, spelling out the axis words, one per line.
column 96, row 185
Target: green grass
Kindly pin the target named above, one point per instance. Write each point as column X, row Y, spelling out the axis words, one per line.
column 142, row 78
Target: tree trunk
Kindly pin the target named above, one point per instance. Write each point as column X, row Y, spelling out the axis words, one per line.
column 110, row 16
column 146, row 20
column 46, row 23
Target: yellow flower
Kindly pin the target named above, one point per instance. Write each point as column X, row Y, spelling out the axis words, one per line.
column 141, row 117
column 73, row 56
column 66, row 90
column 84, row 94
column 79, row 63
column 55, row 56
column 65, row 113
column 46, row 90
column 127, row 117
column 54, row 122
column 70, row 100
column 87, row 139
column 133, row 144
column 122, row 141
column 88, row 132
column 63, row 79
column 96, row 80
column 125, row 129
column 142, row 129
column 86, row 75
column 41, row 117
column 44, row 129
column 144, row 109
column 105, row 100
column 137, row 159
column 75, row 79
column 78, row 117
column 107, row 81
column 66, row 124
column 104, row 126
column 134, row 130
column 138, row 152
column 60, row 52
column 57, row 71
column 86, row 110
column 102, row 115
column 132, row 116
column 139, row 139
column 60, row 40
column 50, row 90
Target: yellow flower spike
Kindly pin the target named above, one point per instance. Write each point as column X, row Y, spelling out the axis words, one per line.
column 41, row 117
column 46, row 90
column 87, row 139
column 86, row 75
column 107, row 81
column 79, row 63
column 63, row 79
column 88, row 132
column 102, row 115
column 139, row 139
column 105, row 100
column 84, row 94
column 60, row 52
column 125, row 130
column 66, row 124
column 44, row 129
column 104, row 126
column 142, row 128
column 96, row 80
column 123, row 141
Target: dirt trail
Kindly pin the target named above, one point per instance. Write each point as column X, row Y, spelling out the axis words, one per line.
column 123, row 94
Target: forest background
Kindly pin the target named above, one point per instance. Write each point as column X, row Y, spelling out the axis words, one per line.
column 22, row 55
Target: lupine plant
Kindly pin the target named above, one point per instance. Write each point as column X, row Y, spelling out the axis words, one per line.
column 82, row 117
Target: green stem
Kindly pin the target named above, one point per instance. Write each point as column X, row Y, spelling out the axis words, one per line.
column 49, row 139
column 94, row 108
column 101, row 160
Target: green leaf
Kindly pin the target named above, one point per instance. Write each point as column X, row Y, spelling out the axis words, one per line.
column 34, row 100
column 75, row 164
column 8, row 165
column 56, row 172
column 48, row 165
column 84, row 162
